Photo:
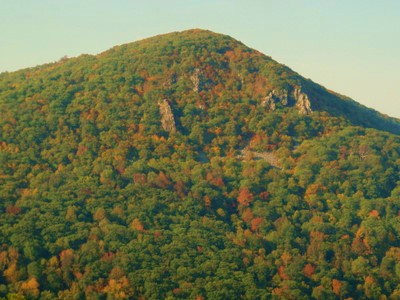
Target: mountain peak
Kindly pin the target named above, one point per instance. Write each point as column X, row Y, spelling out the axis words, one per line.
column 198, row 37
column 213, row 65
column 198, row 31
column 217, row 61
column 194, row 33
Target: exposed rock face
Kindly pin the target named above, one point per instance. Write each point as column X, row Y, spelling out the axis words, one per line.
column 269, row 157
column 303, row 103
column 167, row 117
column 282, row 97
column 269, row 102
column 274, row 97
column 196, row 80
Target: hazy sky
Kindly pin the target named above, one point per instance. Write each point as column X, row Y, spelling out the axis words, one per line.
column 349, row 46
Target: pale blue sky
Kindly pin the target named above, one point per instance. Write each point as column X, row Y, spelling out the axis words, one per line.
column 349, row 46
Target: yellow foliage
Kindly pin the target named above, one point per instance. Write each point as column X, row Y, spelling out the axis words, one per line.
column 118, row 289
column 11, row 273
column 286, row 257
column 31, row 286
column 336, row 286
column 137, row 225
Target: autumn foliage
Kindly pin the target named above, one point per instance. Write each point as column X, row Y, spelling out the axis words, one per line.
column 241, row 200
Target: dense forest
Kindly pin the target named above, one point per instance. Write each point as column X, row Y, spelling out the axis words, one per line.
column 189, row 166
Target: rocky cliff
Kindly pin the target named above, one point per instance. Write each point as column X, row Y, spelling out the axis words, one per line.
column 167, row 117
column 284, row 98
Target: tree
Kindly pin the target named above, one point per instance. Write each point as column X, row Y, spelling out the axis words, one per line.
column 245, row 197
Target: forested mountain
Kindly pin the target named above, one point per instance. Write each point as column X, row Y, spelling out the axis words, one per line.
column 189, row 166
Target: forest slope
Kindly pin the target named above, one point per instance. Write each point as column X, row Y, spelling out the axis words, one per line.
column 122, row 175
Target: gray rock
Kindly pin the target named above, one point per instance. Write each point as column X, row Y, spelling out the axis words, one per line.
column 167, row 117
column 303, row 103
column 196, row 80
column 274, row 97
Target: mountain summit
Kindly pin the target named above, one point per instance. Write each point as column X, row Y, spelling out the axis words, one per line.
column 189, row 166
column 214, row 61
column 209, row 63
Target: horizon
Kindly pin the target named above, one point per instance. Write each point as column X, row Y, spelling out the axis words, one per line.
column 344, row 47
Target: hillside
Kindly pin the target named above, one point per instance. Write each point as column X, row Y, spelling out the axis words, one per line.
column 189, row 166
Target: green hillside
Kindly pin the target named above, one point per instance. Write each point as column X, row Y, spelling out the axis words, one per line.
column 189, row 166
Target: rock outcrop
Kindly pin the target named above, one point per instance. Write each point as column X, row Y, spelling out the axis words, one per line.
column 274, row 97
column 167, row 117
column 269, row 157
column 282, row 97
column 303, row 103
column 196, row 80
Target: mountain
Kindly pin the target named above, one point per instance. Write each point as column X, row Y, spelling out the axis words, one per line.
column 189, row 166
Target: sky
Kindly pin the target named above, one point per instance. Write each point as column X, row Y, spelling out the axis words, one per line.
column 349, row 46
